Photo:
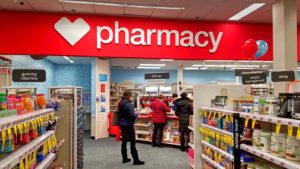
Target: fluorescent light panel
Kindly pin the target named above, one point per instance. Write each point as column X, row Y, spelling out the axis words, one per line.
column 246, row 11
column 167, row 60
column 145, row 67
column 122, row 5
column 191, row 68
column 152, row 64
column 67, row 58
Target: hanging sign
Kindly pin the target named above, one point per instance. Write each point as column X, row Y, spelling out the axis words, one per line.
column 283, row 76
column 254, row 78
column 240, row 72
column 157, row 76
column 29, row 75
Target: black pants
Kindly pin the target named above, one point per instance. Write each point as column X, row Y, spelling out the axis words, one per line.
column 184, row 137
column 128, row 135
column 158, row 134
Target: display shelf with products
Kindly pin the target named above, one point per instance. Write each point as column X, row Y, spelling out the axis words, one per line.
column 227, row 155
column 14, row 158
column 217, row 130
column 211, row 162
column 46, row 162
column 271, row 158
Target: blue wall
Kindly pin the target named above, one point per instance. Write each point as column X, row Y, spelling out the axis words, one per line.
column 73, row 74
column 200, row 77
column 138, row 76
column 56, row 74
column 23, row 62
column 190, row 77
column 93, row 86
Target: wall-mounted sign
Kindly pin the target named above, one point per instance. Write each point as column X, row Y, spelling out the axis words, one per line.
column 157, row 76
column 254, row 78
column 100, row 36
column 283, row 76
column 240, row 72
column 103, row 77
column 29, row 75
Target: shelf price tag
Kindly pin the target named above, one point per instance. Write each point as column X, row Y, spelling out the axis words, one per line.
column 278, row 126
column 246, row 122
column 290, row 130
column 298, row 133
column 253, row 123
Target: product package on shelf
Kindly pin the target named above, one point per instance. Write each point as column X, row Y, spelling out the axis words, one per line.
column 171, row 132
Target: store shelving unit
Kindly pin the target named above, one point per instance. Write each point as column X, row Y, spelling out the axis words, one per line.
column 203, row 95
column 14, row 158
column 207, row 159
column 272, row 158
column 46, row 162
column 73, row 93
column 20, row 89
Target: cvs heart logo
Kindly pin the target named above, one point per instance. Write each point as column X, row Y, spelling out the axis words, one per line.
column 72, row 32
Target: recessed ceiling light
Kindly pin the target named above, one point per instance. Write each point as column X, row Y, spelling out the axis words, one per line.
column 167, row 60
column 122, row 5
column 67, row 58
column 146, row 64
column 191, row 68
column 246, row 11
column 144, row 67
column 71, row 61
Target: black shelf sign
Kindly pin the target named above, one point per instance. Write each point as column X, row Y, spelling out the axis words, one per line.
column 157, row 76
column 254, row 78
column 283, row 76
column 29, row 75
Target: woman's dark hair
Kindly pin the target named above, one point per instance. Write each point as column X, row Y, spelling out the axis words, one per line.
column 127, row 94
column 174, row 95
column 183, row 94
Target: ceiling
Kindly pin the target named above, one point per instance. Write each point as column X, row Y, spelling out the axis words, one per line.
column 212, row 10
column 133, row 63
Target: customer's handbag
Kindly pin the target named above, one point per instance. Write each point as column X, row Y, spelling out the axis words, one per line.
column 115, row 120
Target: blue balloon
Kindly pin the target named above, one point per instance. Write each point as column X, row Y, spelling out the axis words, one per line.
column 262, row 48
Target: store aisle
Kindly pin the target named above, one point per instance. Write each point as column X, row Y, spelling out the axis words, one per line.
column 105, row 154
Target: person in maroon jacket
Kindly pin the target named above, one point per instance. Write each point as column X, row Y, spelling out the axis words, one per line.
column 159, row 110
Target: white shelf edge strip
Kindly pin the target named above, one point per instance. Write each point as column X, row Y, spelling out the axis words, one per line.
column 211, row 162
column 227, row 155
column 46, row 162
column 14, row 158
column 191, row 128
column 272, row 158
column 217, row 129
column 219, row 110
column 143, row 125
column 265, row 118
column 192, row 145
column 271, row 119
column 8, row 122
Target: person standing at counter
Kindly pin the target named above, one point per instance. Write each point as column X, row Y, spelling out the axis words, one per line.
column 159, row 113
column 127, row 119
column 183, row 109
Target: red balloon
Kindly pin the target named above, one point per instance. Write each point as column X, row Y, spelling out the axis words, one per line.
column 250, row 48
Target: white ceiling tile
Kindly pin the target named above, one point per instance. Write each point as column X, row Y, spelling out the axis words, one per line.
column 265, row 18
column 142, row 2
column 198, row 8
column 80, row 8
column 109, row 10
column 225, row 10
column 138, row 11
column 158, row 13
column 10, row 5
column 46, row 5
